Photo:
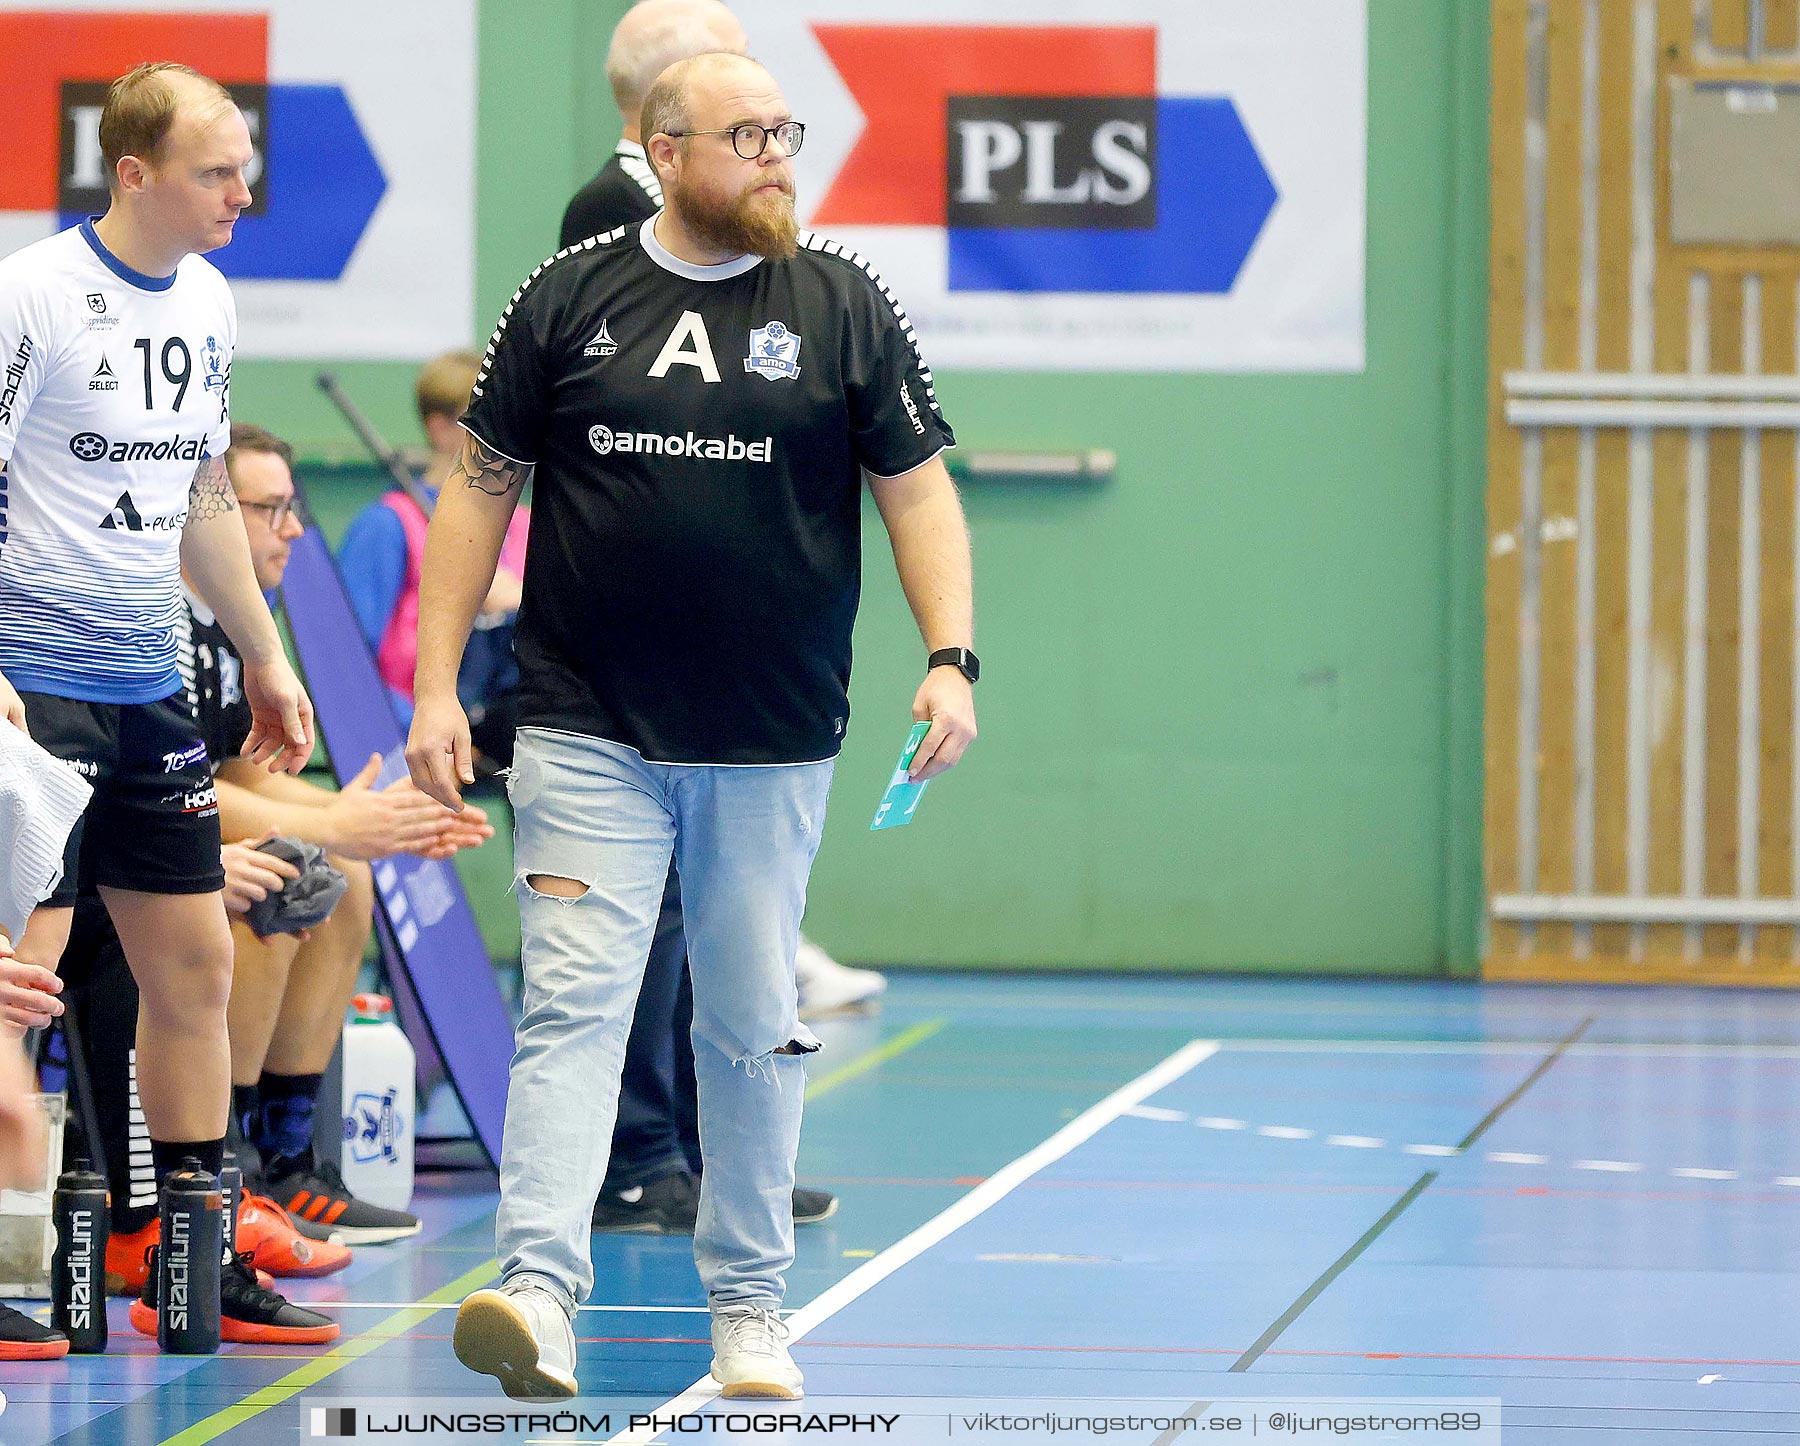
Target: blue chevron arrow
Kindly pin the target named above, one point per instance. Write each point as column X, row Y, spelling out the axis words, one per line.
column 324, row 184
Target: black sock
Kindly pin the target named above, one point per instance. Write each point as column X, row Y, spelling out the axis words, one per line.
column 284, row 1126
column 246, row 1104
column 169, row 1156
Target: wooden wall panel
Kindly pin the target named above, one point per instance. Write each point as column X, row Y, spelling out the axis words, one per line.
column 1725, row 320
column 1551, row 951
column 1562, row 447
column 1506, row 333
column 1612, row 469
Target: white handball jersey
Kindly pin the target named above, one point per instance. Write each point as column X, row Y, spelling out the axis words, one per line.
column 115, row 389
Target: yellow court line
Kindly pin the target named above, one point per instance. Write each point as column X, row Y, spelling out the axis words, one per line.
column 881, row 1054
column 319, row 1368
column 332, row 1361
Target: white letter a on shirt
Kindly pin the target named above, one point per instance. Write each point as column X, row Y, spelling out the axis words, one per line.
column 688, row 345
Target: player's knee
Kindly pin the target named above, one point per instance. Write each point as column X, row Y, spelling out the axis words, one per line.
column 189, row 983
column 555, row 886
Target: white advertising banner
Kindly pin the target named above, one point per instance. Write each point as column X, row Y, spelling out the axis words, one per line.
column 1091, row 185
column 361, row 240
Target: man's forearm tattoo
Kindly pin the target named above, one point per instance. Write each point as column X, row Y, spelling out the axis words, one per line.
column 211, row 494
column 481, row 469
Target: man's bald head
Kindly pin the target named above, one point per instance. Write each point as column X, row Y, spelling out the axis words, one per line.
column 729, row 202
column 657, row 33
column 688, row 88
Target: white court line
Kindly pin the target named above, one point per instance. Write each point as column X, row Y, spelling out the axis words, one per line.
column 1213, row 1122
column 1516, row 1157
column 1357, row 1142
column 1507, row 1047
column 1155, row 1112
column 983, row 1197
column 1285, row 1132
column 1440, row 1150
column 1787, row 1179
column 457, row 1305
column 1690, row 1173
column 1611, row 1167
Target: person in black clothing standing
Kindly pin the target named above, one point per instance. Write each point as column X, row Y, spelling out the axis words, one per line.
column 652, row 1178
column 753, row 377
column 652, row 36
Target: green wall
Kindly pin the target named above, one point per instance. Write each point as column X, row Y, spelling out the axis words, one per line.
column 1232, row 712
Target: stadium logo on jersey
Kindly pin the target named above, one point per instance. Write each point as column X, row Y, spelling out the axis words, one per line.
column 604, row 440
column 92, row 447
column 912, row 409
column 15, row 374
column 602, row 344
column 103, row 379
column 214, row 358
column 773, row 350
column 123, row 517
column 97, row 303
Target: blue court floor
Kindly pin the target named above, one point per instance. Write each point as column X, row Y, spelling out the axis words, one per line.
column 1584, row 1203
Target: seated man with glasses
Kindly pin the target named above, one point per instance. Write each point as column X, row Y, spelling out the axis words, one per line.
column 288, row 995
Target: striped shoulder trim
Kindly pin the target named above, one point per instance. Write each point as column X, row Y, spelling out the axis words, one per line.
column 487, row 358
column 812, row 241
column 645, row 175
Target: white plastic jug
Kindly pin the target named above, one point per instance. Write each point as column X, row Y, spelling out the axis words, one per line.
column 380, row 1105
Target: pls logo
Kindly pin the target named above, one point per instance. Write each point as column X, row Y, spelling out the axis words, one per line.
column 1049, row 158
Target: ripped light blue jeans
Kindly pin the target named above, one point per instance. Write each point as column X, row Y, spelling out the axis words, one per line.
column 743, row 840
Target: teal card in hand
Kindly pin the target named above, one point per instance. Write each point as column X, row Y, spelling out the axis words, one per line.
column 903, row 795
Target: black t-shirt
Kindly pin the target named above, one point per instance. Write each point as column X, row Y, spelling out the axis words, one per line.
column 699, row 435
column 212, row 683
column 624, row 190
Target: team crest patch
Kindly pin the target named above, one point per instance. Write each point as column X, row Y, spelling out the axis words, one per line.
column 96, row 303
column 216, row 370
column 774, row 351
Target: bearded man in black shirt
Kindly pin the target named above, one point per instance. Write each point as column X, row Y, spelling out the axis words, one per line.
column 698, row 399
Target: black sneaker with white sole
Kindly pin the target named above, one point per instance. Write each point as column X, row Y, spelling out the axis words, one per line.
column 313, row 1192
column 671, row 1206
column 812, row 1206
column 666, row 1206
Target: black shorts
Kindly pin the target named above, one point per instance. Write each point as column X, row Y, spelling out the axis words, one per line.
column 153, row 823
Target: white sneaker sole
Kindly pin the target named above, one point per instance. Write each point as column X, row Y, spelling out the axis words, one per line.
column 494, row 1338
column 761, row 1391
column 374, row 1234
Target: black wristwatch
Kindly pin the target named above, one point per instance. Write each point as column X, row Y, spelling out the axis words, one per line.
column 964, row 661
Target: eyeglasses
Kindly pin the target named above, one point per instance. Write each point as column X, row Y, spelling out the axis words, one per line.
column 278, row 512
column 750, row 140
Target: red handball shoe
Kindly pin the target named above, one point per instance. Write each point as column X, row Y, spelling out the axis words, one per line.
column 268, row 1237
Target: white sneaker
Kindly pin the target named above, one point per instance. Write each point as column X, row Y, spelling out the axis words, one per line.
column 519, row 1335
column 827, row 986
column 750, row 1354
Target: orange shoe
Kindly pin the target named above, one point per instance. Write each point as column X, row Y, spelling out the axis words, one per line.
column 249, row 1312
column 127, row 1259
column 268, row 1237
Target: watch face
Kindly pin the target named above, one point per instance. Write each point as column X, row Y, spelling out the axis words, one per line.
column 964, row 661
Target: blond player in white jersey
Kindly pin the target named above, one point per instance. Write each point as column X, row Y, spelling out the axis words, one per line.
column 115, row 363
